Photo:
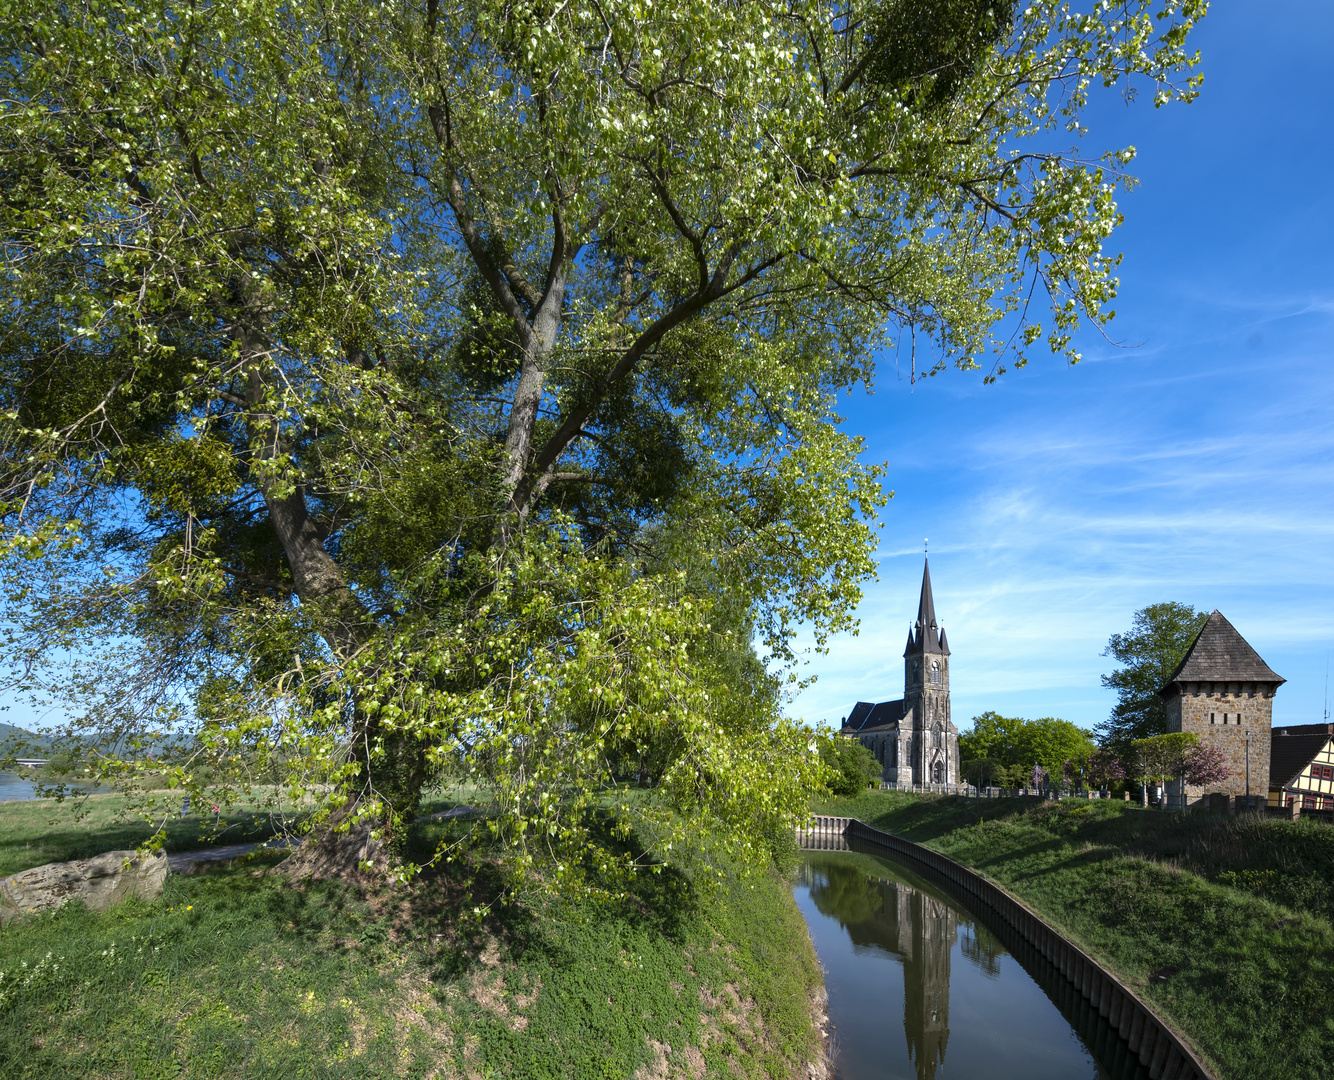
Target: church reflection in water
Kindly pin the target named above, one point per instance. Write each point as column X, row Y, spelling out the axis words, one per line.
column 914, row 926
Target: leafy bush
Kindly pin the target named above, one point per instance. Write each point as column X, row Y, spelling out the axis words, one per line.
column 855, row 767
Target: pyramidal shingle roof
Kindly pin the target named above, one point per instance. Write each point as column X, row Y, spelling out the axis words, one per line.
column 1220, row 654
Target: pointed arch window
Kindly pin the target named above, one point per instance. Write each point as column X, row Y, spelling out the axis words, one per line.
column 935, row 672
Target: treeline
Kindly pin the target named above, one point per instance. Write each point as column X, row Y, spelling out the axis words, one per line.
column 1133, row 743
column 1006, row 751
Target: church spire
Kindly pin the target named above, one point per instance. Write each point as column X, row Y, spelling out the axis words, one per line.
column 926, row 607
column 927, row 629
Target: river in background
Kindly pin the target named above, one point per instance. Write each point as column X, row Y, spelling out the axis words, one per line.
column 20, row 786
column 919, row 989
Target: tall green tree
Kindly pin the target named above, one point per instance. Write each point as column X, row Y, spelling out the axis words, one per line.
column 416, row 387
column 1050, row 742
column 1149, row 652
column 1017, row 745
column 992, row 736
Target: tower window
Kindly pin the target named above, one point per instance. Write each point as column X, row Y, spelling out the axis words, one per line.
column 935, row 671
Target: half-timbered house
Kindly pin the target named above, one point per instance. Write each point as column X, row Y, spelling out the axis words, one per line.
column 1301, row 766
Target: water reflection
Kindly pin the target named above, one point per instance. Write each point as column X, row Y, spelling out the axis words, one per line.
column 920, row 930
column 980, row 946
column 869, row 916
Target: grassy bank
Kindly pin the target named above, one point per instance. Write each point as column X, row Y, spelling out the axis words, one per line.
column 235, row 973
column 38, row 831
column 1224, row 924
column 42, row 830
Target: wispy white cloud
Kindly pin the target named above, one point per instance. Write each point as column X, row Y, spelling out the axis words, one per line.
column 1051, row 526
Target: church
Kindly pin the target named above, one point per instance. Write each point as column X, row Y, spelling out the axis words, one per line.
column 914, row 738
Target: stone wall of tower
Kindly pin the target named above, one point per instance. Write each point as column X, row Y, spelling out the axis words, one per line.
column 902, row 775
column 1223, row 715
column 929, row 701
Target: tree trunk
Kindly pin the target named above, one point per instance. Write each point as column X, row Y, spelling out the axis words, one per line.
column 330, row 854
column 392, row 765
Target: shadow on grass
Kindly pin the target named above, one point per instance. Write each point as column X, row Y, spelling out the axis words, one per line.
column 239, row 972
column 468, row 906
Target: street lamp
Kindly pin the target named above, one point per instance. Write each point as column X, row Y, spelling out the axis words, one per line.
column 1248, row 770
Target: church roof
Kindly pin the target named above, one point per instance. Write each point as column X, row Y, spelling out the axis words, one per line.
column 1220, row 654
column 865, row 716
column 1289, row 754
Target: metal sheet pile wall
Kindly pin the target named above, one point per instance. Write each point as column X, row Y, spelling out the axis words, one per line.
column 1159, row 1049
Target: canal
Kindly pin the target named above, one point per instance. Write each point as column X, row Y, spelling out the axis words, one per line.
column 921, row 989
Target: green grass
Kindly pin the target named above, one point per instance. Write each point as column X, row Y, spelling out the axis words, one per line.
column 1235, row 913
column 238, row 974
column 43, row 830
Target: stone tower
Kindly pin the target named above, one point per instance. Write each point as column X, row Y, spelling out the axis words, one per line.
column 1224, row 693
column 934, row 748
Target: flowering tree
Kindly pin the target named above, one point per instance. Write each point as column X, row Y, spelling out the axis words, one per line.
column 1104, row 768
column 1205, row 765
column 1041, row 778
column 1161, row 757
column 1179, row 755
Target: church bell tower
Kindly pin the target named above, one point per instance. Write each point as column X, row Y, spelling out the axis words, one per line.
column 934, row 749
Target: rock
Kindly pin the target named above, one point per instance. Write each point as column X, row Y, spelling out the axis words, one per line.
column 99, row 882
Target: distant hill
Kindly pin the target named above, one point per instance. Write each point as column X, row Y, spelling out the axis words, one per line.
column 25, row 742
column 31, row 744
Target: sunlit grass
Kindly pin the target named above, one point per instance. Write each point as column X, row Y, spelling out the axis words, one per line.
column 43, row 830
column 238, row 973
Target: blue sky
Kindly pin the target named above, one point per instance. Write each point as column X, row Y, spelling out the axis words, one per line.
column 1195, row 464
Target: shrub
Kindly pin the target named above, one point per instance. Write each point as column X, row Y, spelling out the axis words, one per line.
column 855, row 767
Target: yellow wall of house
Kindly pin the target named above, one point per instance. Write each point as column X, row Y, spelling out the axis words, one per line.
column 1316, row 779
